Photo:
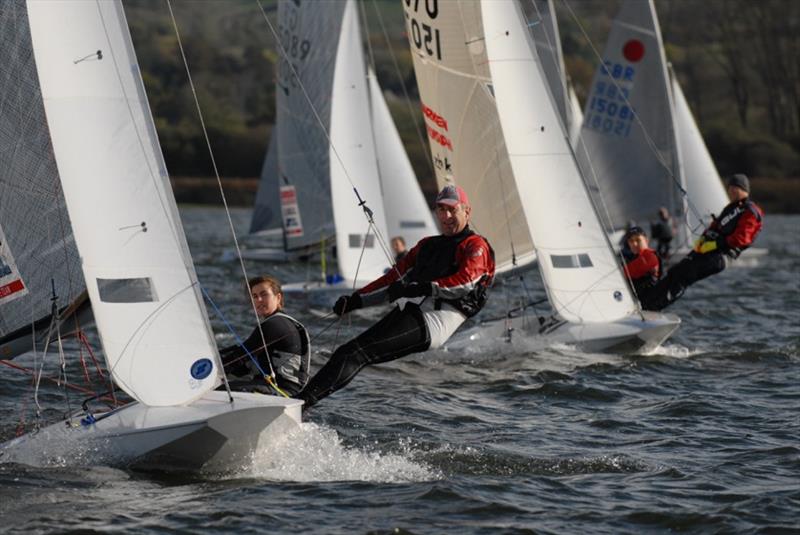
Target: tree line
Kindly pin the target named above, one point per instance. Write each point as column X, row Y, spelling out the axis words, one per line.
column 737, row 61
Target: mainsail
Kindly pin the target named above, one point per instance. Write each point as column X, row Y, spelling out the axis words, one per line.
column 37, row 251
column 144, row 292
column 466, row 140
column 634, row 158
column 581, row 275
column 544, row 30
column 308, row 34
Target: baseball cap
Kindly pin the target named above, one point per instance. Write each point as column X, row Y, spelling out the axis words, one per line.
column 451, row 195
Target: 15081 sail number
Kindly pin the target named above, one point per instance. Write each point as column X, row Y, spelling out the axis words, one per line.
column 424, row 36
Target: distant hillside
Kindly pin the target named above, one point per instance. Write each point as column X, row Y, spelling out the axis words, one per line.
column 736, row 59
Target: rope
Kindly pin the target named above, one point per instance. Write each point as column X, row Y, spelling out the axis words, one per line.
column 219, row 183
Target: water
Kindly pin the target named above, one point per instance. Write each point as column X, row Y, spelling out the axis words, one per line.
column 703, row 436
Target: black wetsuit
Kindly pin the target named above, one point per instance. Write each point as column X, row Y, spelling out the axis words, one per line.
column 288, row 348
column 404, row 331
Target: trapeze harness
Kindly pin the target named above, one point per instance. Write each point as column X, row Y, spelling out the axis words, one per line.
column 407, row 329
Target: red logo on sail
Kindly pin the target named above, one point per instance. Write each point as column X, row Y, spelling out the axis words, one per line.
column 11, row 288
column 633, row 50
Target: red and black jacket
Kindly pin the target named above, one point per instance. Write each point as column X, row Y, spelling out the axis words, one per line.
column 460, row 269
column 736, row 227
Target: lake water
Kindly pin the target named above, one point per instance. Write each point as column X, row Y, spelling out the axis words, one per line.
column 703, row 436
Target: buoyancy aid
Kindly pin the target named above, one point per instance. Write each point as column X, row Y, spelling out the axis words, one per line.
column 292, row 366
column 727, row 229
column 438, row 258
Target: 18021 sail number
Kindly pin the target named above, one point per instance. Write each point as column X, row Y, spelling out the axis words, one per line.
column 424, row 36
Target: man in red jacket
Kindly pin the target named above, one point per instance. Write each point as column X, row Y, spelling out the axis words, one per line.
column 644, row 269
column 733, row 231
column 445, row 279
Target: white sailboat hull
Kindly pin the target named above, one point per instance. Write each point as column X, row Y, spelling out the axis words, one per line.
column 211, row 434
column 636, row 333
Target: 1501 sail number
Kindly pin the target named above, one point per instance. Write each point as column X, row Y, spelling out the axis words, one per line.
column 424, row 36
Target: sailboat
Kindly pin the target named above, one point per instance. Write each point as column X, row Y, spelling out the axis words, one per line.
column 147, row 303
column 643, row 162
column 483, row 76
column 316, row 175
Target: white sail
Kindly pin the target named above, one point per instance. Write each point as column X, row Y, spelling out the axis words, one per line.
column 140, row 279
column 703, row 184
column 467, row 145
column 541, row 18
column 407, row 213
column 266, row 217
column 635, row 161
column 353, row 160
column 581, row 275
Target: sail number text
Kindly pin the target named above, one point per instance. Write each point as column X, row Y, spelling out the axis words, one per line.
column 294, row 49
column 424, row 36
column 609, row 106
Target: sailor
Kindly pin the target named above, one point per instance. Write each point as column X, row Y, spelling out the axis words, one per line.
column 663, row 230
column 624, row 250
column 728, row 235
column 287, row 345
column 444, row 279
column 644, row 269
column 398, row 244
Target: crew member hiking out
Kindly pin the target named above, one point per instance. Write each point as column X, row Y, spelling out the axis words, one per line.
column 644, row 269
column 287, row 345
column 728, row 235
column 447, row 280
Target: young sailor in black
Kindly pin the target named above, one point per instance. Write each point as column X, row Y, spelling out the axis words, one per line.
column 287, row 345
column 448, row 277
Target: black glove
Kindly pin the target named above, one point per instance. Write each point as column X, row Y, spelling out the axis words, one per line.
column 346, row 303
column 397, row 289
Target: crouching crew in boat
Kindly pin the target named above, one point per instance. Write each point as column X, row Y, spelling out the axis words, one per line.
column 644, row 269
column 728, row 235
column 444, row 279
column 287, row 345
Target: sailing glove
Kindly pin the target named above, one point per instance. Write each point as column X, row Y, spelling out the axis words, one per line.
column 397, row 290
column 346, row 303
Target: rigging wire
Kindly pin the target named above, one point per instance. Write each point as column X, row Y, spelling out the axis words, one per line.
column 221, row 191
